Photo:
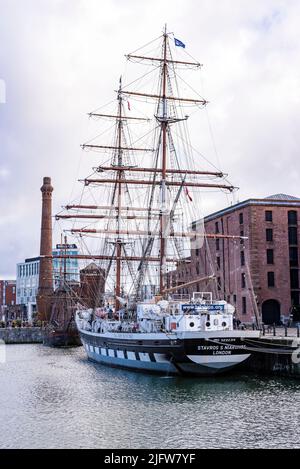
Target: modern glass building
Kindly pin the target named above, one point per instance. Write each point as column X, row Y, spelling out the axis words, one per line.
column 28, row 276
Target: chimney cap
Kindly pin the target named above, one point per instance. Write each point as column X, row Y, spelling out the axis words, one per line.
column 46, row 187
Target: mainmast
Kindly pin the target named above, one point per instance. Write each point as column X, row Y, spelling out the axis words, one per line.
column 119, row 196
column 164, row 125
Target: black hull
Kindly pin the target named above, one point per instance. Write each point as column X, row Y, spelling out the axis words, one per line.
column 158, row 353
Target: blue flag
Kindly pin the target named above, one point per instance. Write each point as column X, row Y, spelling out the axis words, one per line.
column 179, row 43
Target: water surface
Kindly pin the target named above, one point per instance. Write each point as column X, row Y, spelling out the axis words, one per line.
column 53, row 398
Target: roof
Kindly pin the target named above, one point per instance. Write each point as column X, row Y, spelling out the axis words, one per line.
column 282, row 197
column 32, row 259
column 275, row 200
column 92, row 267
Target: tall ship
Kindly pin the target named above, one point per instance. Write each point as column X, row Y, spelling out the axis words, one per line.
column 134, row 223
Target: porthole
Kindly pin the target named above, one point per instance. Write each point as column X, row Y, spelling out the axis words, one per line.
column 207, row 324
column 224, row 324
column 192, row 324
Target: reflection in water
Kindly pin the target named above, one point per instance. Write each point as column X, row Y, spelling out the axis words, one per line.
column 53, row 398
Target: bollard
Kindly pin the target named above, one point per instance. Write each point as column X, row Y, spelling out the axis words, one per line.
column 285, row 331
column 274, row 330
column 263, row 329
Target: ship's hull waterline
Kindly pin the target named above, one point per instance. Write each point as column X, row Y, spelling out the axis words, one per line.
column 192, row 354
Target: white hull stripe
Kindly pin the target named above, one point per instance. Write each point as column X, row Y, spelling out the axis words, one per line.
column 161, row 358
column 144, row 357
column 217, row 360
column 131, row 356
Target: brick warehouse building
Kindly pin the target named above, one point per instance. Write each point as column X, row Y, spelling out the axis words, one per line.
column 260, row 273
column 7, row 292
column 8, row 299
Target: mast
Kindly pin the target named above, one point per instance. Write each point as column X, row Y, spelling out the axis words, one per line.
column 164, row 125
column 119, row 201
column 132, row 173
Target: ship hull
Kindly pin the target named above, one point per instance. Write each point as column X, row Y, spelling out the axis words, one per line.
column 198, row 354
column 62, row 338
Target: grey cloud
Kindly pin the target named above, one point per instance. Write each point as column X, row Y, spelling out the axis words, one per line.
column 62, row 58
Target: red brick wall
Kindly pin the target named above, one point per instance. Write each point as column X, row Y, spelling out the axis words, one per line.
column 255, row 252
column 7, row 292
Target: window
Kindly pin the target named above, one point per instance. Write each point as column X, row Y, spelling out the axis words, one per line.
column 294, row 275
column 271, row 279
column 14, row 290
column 217, row 245
column 295, row 298
column 292, row 217
column 198, row 268
column 269, row 234
column 268, row 215
column 293, row 235
column 243, row 282
column 270, row 256
column 242, row 258
column 244, row 305
column 294, row 257
column 218, row 262
column 241, row 218
column 197, row 254
column 219, row 283
column 241, row 235
column 234, row 298
column 217, row 227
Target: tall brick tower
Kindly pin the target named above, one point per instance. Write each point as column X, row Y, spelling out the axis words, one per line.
column 45, row 291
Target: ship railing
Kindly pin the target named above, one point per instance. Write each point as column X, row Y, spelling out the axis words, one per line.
column 180, row 297
column 202, row 296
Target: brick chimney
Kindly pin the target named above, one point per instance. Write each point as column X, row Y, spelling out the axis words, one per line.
column 45, row 291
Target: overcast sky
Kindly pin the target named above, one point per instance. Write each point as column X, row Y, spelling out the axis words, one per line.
column 60, row 59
